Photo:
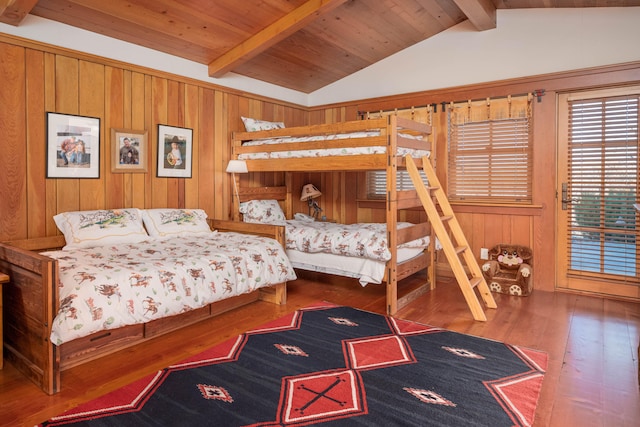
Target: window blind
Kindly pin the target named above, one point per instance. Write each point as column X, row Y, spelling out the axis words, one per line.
column 377, row 183
column 603, row 185
column 490, row 152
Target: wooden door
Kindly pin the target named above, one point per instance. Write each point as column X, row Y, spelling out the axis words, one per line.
column 598, row 237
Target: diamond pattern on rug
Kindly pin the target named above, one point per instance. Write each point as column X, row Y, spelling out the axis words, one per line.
column 293, row 350
column 377, row 352
column 511, row 392
column 322, row 397
column 428, row 396
column 214, row 392
column 462, row 352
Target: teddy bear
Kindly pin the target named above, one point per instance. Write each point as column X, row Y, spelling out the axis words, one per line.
column 508, row 270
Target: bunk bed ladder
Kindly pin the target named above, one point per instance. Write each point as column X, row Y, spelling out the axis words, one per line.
column 446, row 222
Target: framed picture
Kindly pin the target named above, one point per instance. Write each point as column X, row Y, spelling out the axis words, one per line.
column 73, row 146
column 129, row 152
column 175, row 147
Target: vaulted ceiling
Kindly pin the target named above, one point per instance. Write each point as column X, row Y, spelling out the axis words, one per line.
column 302, row 45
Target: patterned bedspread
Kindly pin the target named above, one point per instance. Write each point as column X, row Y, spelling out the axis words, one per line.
column 368, row 240
column 112, row 286
column 343, row 151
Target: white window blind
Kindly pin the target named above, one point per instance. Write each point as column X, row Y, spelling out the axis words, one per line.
column 377, row 183
column 603, row 185
column 490, row 152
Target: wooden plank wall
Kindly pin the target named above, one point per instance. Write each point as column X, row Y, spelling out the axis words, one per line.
column 37, row 79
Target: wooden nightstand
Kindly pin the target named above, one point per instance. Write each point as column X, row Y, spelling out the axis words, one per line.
column 3, row 279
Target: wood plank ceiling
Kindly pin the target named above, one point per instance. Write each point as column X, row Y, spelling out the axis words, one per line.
column 298, row 44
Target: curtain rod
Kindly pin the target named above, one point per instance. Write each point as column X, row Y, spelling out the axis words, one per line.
column 538, row 93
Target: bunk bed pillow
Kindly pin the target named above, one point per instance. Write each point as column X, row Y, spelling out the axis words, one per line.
column 262, row 212
column 86, row 229
column 253, row 125
column 165, row 223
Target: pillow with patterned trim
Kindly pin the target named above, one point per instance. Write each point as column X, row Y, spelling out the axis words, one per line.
column 164, row 223
column 85, row 229
column 253, row 125
column 262, row 212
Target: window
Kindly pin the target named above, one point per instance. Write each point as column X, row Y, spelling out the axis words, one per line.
column 490, row 153
column 377, row 183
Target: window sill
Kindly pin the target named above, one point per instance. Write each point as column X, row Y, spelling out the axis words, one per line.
column 497, row 208
column 467, row 207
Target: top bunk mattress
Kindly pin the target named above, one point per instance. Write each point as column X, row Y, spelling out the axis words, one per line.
column 284, row 148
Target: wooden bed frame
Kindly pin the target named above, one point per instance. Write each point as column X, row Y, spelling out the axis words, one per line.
column 390, row 129
column 31, row 303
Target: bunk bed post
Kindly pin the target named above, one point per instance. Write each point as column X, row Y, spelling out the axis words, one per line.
column 235, row 204
column 288, row 201
column 431, row 271
column 392, row 213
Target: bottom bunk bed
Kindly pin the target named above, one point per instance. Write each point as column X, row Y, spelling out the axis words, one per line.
column 33, row 307
column 365, row 270
column 358, row 251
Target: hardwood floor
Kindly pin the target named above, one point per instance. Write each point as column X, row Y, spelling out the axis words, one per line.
column 592, row 343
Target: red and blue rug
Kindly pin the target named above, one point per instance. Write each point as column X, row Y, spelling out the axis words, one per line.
column 338, row 366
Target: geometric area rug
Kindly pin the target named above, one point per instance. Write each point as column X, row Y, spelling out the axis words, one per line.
column 335, row 366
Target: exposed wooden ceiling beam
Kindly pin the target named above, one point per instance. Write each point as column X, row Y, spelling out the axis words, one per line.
column 481, row 13
column 12, row 12
column 269, row 36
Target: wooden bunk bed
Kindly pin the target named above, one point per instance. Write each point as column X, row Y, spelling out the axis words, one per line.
column 31, row 303
column 395, row 135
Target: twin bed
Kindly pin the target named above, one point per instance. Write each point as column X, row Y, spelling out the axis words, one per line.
column 91, row 298
column 365, row 145
column 359, row 250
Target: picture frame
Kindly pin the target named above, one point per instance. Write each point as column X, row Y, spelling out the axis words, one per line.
column 73, row 146
column 175, row 148
column 129, row 151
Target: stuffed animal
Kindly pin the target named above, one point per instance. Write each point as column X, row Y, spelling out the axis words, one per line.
column 509, row 270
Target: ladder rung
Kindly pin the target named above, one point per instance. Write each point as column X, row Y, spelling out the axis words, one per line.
column 431, row 189
column 461, row 249
column 446, row 218
column 475, row 281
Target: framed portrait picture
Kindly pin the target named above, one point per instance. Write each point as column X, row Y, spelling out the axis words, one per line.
column 175, row 147
column 129, row 150
column 73, row 146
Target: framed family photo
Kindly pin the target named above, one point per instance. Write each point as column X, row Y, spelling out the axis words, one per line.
column 73, row 146
column 129, row 151
column 175, row 148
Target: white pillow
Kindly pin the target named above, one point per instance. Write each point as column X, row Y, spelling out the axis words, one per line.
column 253, row 125
column 263, row 212
column 85, row 229
column 163, row 223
